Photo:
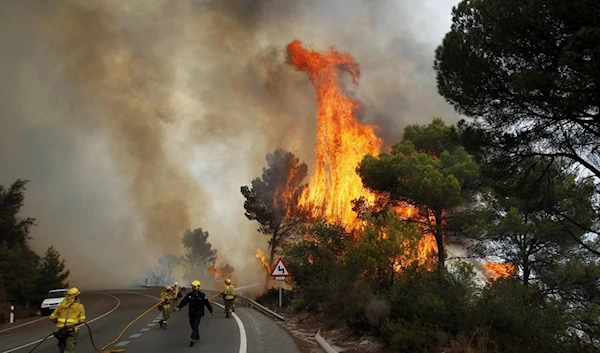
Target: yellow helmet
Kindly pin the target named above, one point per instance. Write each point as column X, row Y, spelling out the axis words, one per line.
column 168, row 288
column 73, row 292
column 227, row 281
column 196, row 284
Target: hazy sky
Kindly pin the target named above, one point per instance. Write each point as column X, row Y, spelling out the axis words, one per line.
column 135, row 120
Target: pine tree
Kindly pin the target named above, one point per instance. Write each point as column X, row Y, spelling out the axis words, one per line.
column 52, row 271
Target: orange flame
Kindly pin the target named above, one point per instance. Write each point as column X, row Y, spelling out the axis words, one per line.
column 263, row 261
column 497, row 270
column 221, row 272
column 342, row 141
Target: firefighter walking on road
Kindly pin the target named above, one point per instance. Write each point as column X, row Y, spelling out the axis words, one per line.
column 197, row 301
column 68, row 315
column 166, row 296
column 177, row 295
column 228, row 297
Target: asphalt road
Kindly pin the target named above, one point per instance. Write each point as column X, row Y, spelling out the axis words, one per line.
column 109, row 312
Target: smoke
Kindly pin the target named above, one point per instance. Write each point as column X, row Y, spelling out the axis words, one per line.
column 136, row 120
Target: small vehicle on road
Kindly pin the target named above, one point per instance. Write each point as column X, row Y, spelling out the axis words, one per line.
column 54, row 298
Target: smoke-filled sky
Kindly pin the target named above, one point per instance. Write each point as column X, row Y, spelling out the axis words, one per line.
column 135, row 120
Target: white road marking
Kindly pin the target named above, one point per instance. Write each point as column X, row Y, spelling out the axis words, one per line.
column 135, row 335
column 243, row 339
column 152, row 324
column 145, row 329
column 89, row 322
column 122, row 343
column 155, row 320
column 25, row 324
column 144, row 294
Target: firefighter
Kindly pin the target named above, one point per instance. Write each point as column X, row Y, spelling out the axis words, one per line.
column 228, row 297
column 197, row 301
column 68, row 315
column 166, row 296
column 177, row 295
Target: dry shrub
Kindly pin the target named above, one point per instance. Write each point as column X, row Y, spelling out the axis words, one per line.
column 479, row 342
column 377, row 312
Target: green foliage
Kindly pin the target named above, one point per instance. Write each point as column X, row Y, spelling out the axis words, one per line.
column 522, row 318
column 518, row 61
column 314, row 259
column 577, row 282
column 52, row 272
column 385, row 247
column 435, row 177
column 271, row 297
column 14, row 231
column 25, row 278
column 518, row 224
column 527, row 72
column 436, row 299
column 19, row 269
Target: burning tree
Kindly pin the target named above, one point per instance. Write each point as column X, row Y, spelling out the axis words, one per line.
column 433, row 177
column 342, row 142
column 272, row 200
column 222, row 272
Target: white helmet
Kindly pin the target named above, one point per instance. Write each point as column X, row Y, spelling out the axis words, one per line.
column 176, row 283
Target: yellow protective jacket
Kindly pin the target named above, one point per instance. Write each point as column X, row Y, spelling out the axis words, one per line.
column 228, row 291
column 166, row 297
column 68, row 315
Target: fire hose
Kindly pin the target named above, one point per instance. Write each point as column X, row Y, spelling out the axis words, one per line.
column 104, row 349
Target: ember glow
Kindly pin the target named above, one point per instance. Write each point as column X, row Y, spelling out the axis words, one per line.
column 497, row 270
column 342, row 141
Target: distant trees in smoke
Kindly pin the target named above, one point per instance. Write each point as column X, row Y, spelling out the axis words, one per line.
column 198, row 262
column 25, row 277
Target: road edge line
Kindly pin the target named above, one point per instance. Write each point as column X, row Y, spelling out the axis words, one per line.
column 243, row 337
column 24, row 324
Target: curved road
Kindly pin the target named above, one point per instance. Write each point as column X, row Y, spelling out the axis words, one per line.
column 109, row 312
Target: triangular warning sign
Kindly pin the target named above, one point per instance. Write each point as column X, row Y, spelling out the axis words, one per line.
column 280, row 270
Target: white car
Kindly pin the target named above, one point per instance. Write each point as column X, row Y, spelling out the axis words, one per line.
column 54, row 298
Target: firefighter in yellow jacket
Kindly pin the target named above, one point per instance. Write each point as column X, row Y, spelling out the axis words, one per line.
column 228, row 297
column 166, row 296
column 68, row 315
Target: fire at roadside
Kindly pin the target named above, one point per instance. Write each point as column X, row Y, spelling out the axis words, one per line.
column 342, row 142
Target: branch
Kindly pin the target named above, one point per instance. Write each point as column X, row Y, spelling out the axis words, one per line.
column 577, row 239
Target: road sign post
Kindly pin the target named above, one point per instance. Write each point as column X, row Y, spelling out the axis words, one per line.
column 12, row 314
column 280, row 272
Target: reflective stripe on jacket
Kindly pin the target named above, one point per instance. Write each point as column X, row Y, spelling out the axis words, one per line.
column 69, row 316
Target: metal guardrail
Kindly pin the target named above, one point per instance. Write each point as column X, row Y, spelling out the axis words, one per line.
column 253, row 304
column 322, row 344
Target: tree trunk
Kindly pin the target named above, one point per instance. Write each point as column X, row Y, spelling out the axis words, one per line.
column 439, row 238
column 526, row 272
column 271, row 256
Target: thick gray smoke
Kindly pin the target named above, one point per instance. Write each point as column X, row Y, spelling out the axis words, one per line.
column 138, row 119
